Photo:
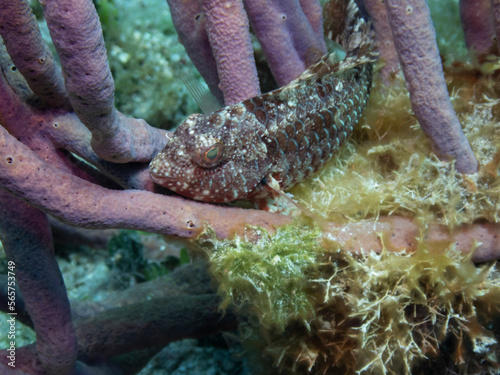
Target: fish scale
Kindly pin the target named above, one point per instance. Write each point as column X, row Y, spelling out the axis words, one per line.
column 287, row 134
column 305, row 144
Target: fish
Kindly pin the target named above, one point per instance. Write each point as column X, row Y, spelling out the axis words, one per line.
column 285, row 135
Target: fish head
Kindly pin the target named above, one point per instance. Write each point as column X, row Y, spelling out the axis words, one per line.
column 213, row 158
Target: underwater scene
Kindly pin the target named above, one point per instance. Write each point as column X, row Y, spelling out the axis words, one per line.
column 249, row 187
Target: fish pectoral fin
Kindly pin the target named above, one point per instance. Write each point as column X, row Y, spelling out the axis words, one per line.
column 272, row 184
column 200, row 92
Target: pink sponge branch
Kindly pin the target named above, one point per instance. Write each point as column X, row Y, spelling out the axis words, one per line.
column 82, row 203
column 42, row 131
column 67, row 132
column 13, row 111
column 19, row 30
column 397, row 233
column 415, row 41
column 76, row 32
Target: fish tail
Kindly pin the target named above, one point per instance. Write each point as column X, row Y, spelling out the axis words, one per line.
column 358, row 37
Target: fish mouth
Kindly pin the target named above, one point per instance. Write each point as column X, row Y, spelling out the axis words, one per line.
column 162, row 180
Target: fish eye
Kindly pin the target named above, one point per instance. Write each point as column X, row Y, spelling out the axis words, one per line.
column 210, row 156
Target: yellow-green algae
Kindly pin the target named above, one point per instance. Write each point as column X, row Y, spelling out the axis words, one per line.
column 268, row 278
column 321, row 310
column 387, row 167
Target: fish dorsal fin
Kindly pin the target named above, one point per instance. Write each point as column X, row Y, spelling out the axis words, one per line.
column 355, row 46
column 327, row 64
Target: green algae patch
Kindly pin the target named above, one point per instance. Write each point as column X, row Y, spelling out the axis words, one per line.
column 311, row 307
column 269, row 278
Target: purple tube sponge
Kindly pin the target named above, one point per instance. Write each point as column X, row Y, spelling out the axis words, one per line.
column 27, row 240
column 190, row 23
column 77, row 35
column 314, row 13
column 479, row 30
column 495, row 5
column 415, row 41
column 19, row 30
column 290, row 33
column 228, row 32
column 388, row 54
column 288, row 39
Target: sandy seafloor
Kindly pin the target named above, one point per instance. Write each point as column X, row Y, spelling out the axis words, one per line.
column 146, row 59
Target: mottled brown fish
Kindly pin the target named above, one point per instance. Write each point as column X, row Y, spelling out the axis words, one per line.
column 286, row 134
